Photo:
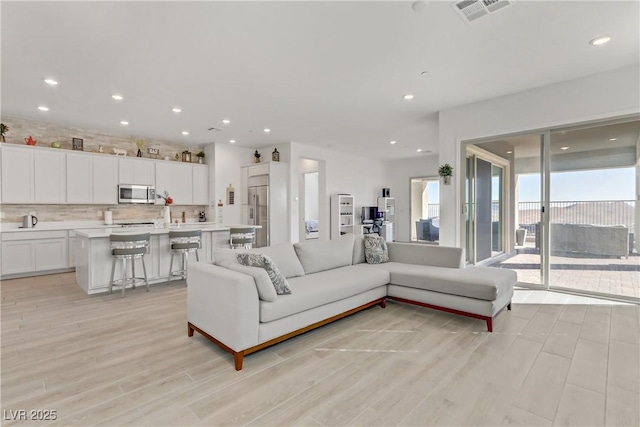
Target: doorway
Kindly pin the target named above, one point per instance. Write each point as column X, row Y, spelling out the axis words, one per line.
column 425, row 209
column 309, row 199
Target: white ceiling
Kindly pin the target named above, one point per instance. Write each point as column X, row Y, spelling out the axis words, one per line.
column 330, row 74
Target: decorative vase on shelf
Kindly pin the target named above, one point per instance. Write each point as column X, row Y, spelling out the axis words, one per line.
column 166, row 215
column 139, row 153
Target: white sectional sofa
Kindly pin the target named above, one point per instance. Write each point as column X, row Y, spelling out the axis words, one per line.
column 232, row 306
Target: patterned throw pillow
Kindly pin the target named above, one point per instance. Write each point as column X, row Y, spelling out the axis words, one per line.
column 375, row 249
column 259, row 260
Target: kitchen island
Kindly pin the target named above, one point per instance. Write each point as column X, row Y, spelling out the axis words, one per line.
column 93, row 252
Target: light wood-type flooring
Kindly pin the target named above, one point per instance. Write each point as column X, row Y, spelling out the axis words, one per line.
column 103, row 360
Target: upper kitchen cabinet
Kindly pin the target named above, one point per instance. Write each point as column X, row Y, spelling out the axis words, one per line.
column 50, row 171
column 137, row 171
column 17, row 174
column 33, row 175
column 79, row 178
column 176, row 179
column 105, row 179
column 92, row 179
column 200, row 185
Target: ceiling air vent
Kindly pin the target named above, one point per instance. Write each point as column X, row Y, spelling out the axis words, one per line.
column 470, row 10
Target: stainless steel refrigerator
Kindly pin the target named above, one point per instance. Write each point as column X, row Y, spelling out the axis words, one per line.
column 258, row 193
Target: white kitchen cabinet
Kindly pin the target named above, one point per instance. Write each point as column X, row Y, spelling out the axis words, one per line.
column 137, row 172
column 51, row 254
column 50, row 171
column 105, row 179
column 79, row 178
column 177, row 179
column 31, row 252
column 18, row 257
column 200, row 185
column 17, row 174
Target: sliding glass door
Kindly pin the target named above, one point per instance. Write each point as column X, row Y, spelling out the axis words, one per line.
column 571, row 203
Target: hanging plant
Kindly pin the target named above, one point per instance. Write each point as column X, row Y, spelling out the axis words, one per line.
column 446, row 172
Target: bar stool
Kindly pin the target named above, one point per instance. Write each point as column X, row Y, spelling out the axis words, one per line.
column 128, row 247
column 183, row 243
column 242, row 237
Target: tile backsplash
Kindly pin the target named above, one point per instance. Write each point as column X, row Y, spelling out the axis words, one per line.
column 46, row 133
column 50, row 213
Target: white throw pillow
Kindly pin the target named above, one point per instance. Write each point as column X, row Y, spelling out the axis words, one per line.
column 260, row 260
column 284, row 257
column 266, row 291
column 324, row 255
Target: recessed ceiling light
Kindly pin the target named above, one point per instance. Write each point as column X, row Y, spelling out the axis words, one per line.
column 600, row 41
column 50, row 82
column 124, row 122
column 43, row 108
column 184, row 132
column 226, row 121
column 419, row 150
column 232, row 141
column 117, row 97
column 176, row 110
column 509, row 152
column 392, row 142
column 267, row 130
column 408, row 97
column 613, row 139
column 564, row 148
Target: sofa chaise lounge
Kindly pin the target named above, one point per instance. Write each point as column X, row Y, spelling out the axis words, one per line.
column 231, row 305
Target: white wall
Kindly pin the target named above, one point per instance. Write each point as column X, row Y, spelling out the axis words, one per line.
column 397, row 175
column 605, row 95
column 228, row 160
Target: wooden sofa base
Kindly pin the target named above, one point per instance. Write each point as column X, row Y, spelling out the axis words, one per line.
column 487, row 319
column 238, row 356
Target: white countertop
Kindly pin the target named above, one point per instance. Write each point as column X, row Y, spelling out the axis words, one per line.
column 13, row 227
column 92, row 233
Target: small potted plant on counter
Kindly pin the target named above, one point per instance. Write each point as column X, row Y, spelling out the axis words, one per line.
column 200, row 157
column 446, row 172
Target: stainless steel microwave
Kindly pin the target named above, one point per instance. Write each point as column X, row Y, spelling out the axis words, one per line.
column 136, row 194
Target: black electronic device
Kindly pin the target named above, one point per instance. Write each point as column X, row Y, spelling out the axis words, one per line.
column 369, row 214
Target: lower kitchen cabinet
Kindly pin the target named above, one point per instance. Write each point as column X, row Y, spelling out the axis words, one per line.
column 35, row 252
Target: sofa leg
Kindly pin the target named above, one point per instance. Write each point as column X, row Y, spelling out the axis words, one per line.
column 238, row 357
column 490, row 324
column 383, row 303
column 509, row 306
column 189, row 330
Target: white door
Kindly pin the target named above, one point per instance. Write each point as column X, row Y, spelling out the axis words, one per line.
column 105, row 180
column 50, row 176
column 17, row 175
column 79, row 178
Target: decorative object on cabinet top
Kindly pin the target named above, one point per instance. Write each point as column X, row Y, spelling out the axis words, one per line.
column 3, row 129
column 119, row 151
column 275, row 156
column 140, row 145
column 77, row 144
column 200, row 157
column 30, row 141
column 256, row 157
column 186, row 156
